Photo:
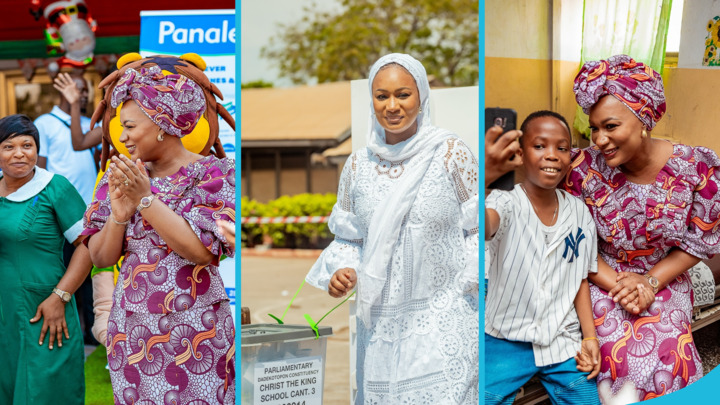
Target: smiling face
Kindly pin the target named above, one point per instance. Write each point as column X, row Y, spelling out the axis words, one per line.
column 139, row 133
column 18, row 156
column 615, row 130
column 545, row 152
column 396, row 101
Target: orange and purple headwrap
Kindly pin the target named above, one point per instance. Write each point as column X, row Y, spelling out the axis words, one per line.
column 173, row 102
column 635, row 84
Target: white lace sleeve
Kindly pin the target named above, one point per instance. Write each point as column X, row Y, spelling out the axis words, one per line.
column 463, row 168
column 338, row 255
column 346, row 249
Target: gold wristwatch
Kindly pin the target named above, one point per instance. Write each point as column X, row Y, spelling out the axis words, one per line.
column 145, row 202
column 64, row 295
column 654, row 283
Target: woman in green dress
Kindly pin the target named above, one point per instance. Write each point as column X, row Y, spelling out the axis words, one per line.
column 41, row 354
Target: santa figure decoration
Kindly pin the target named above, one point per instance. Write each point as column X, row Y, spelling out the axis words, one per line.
column 70, row 29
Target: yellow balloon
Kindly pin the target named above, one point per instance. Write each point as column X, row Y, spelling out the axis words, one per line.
column 195, row 59
column 115, row 128
column 196, row 140
column 128, row 58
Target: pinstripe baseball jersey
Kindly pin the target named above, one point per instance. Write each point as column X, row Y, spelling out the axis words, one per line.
column 532, row 283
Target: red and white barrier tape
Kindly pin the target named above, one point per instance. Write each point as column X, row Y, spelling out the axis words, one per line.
column 284, row 220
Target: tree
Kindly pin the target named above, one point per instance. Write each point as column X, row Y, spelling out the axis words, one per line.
column 333, row 46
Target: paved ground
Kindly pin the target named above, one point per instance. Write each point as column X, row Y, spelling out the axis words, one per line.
column 267, row 286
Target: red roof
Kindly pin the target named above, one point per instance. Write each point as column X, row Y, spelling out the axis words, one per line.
column 114, row 18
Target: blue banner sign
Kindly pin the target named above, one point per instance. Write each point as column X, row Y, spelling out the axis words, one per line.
column 208, row 32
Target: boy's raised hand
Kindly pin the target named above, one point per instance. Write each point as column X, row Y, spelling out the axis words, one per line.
column 499, row 148
column 342, row 282
column 588, row 359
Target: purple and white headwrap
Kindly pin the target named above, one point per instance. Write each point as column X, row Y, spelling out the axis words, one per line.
column 635, row 84
column 173, row 102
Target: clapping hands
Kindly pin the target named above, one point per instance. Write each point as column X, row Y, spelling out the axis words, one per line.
column 128, row 182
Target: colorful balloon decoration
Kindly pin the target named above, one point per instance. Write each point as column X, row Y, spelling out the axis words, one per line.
column 69, row 29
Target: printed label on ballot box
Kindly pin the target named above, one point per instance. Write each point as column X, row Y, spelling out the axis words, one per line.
column 289, row 382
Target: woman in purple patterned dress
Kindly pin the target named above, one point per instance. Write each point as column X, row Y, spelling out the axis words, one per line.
column 657, row 211
column 170, row 337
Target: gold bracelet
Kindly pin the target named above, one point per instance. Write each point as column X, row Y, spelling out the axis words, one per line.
column 117, row 222
column 591, row 338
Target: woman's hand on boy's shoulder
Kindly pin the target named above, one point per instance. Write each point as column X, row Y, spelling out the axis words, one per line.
column 499, row 148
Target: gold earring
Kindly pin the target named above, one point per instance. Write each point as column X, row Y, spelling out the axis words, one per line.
column 644, row 133
column 160, row 136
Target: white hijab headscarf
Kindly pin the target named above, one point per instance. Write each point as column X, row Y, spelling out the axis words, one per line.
column 384, row 229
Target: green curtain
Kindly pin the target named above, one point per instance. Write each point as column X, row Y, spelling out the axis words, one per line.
column 637, row 28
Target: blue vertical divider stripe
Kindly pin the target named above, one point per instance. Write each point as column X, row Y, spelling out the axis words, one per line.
column 481, row 159
column 238, row 179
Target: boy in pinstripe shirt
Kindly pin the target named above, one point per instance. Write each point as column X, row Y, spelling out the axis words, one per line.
column 541, row 245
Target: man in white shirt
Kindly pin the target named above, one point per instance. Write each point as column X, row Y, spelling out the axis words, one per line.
column 56, row 147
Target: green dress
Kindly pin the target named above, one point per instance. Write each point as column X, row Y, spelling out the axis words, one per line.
column 34, row 221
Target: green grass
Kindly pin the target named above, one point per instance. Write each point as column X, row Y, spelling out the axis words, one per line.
column 98, row 389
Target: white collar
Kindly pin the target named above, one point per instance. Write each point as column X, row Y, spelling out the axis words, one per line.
column 33, row 187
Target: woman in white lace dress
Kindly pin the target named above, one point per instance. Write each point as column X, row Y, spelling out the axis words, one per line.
column 406, row 232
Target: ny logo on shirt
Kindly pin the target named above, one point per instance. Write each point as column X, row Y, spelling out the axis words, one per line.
column 572, row 244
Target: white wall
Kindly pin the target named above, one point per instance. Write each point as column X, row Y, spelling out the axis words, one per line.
column 696, row 14
column 517, row 29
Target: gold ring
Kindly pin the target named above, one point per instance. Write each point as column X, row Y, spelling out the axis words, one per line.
column 126, row 182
